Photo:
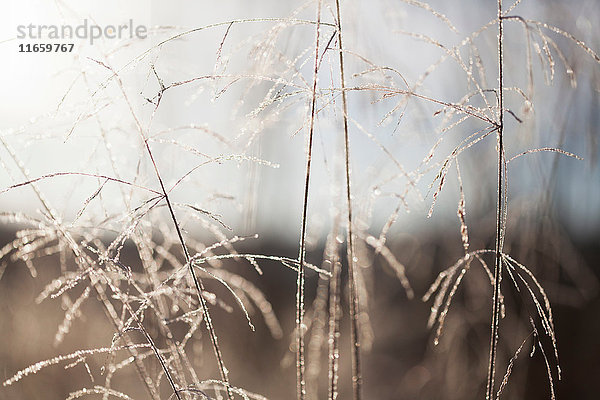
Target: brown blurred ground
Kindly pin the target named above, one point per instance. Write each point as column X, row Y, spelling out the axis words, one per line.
column 403, row 364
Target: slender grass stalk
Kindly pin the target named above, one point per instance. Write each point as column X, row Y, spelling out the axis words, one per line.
column 300, row 364
column 334, row 328
column 161, row 360
column 197, row 282
column 354, row 337
column 499, row 213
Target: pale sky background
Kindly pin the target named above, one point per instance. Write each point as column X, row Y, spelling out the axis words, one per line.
column 267, row 199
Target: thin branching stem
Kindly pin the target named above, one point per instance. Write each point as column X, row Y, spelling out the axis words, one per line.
column 300, row 364
column 354, row 337
column 334, row 327
column 161, row 360
column 197, row 282
column 499, row 213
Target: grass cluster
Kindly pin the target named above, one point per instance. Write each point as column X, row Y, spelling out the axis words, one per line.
column 170, row 189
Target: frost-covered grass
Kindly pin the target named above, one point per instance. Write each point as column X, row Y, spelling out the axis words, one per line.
column 175, row 159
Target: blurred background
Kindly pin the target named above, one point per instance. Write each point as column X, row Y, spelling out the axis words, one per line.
column 228, row 135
